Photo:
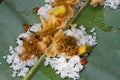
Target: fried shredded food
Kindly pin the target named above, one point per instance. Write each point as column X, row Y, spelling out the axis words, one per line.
column 62, row 44
column 49, row 40
column 36, row 44
column 48, row 30
column 53, row 21
column 58, row 16
column 31, row 48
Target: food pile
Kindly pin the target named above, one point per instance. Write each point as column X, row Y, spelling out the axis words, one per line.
column 114, row 4
column 66, row 50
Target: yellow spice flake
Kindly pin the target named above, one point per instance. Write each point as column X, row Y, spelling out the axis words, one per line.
column 84, row 49
column 59, row 11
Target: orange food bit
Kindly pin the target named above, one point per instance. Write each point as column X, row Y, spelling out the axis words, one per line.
column 26, row 27
column 36, row 9
column 96, row 1
column 83, row 61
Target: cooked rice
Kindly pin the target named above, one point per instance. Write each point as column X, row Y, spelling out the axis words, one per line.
column 19, row 67
column 70, row 66
column 49, row 1
column 65, row 66
column 115, row 4
column 82, row 36
column 43, row 10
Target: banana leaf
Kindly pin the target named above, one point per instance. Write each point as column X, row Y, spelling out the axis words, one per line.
column 104, row 60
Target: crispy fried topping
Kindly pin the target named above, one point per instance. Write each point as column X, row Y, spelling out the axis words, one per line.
column 57, row 17
column 35, row 46
column 62, row 44
column 40, row 41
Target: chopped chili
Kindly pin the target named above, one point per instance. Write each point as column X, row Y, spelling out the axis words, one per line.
column 83, row 61
column 36, row 9
column 26, row 27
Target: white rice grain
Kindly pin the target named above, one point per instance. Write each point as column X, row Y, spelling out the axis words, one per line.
column 43, row 10
column 114, row 4
column 49, row 1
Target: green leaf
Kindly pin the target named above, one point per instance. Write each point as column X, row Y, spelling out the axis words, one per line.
column 104, row 60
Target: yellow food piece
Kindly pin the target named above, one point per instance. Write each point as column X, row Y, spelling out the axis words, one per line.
column 73, row 25
column 72, row 2
column 51, row 51
column 83, row 49
column 68, row 2
column 43, row 21
column 56, row 22
column 46, row 28
column 53, row 21
column 59, row 11
column 70, row 12
column 96, row 1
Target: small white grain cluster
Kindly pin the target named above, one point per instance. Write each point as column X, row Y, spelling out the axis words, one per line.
column 49, row 1
column 78, row 5
column 36, row 27
column 82, row 36
column 115, row 4
column 65, row 66
column 20, row 68
column 43, row 10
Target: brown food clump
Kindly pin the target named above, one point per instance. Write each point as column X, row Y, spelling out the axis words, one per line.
column 30, row 47
column 68, row 45
column 62, row 44
column 34, row 46
column 37, row 43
